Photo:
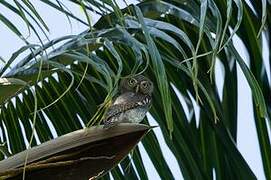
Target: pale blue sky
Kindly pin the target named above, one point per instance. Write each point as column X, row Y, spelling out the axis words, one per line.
column 247, row 141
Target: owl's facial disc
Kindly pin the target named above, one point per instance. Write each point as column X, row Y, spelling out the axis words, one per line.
column 132, row 82
column 137, row 84
column 128, row 85
column 144, row 84
column 146, row 87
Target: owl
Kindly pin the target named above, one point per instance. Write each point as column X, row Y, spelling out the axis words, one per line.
column 133, row 102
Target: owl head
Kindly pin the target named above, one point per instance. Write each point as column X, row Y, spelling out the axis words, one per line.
column 138, row 84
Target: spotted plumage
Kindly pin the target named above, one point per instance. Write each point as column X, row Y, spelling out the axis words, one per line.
column 132, row 104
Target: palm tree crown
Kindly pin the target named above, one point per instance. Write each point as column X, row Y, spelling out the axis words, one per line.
column 56, row 87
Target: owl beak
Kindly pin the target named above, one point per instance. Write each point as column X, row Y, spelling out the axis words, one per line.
column 137, row 88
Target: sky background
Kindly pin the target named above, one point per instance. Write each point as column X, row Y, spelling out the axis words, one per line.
column 247, row 141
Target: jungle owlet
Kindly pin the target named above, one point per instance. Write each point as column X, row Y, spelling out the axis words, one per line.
column 133, row 102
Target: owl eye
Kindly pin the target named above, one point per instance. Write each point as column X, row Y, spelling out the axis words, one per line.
column 145, row 85
column 132, row 82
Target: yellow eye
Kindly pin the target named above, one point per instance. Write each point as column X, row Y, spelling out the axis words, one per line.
column 132, row 82
column 145, row 85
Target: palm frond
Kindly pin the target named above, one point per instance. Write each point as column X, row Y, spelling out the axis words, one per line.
column 176, row 44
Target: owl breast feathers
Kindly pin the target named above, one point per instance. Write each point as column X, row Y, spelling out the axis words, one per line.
column 132, row 104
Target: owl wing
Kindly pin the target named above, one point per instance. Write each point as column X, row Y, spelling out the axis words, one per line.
column 119, row 108
column 113, row 113
column 124, row 103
